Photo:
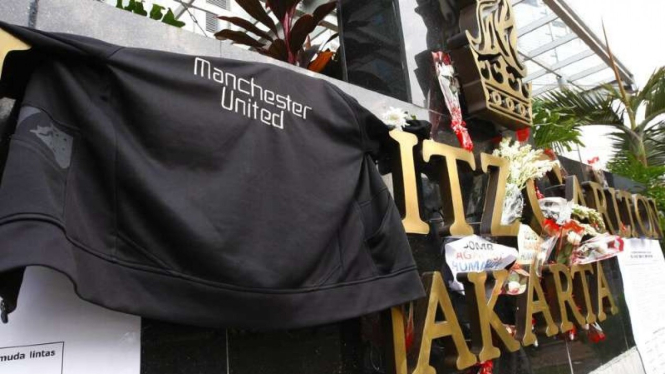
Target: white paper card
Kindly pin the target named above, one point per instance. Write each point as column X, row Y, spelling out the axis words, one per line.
column 37, row 358
column 475, row 254
column 53, row 331
column 529, row 244
column 642, row 268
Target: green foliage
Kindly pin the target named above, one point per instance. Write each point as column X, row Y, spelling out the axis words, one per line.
column 170, row 19
column 587, row 107
column 653, row 141
column 642, row 137
column 653, row 178
column 156, row 12
column 555, row 128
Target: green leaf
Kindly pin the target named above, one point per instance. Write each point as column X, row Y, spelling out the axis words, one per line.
column 131, row 5
column 247, row 26
column 555, row 128
column 138, row 9
column 170, row 19
column 156, row 12
column 239, row 37
column 118, row 4
column 655, row 83
column 652, row 177
column 254, row 9
column 588, row 107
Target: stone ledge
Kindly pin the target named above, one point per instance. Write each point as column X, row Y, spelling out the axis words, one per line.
column 104, row 22
column 15, row 11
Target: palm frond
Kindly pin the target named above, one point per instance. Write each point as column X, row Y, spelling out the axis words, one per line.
column 555, row 129
column 654, row 143
column 652, row 92
column 586, row 107
column 655, row 100
column 644, row 139
column 653, row 140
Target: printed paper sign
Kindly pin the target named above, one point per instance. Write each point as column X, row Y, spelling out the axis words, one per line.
column 642, row 268
column 529, row 244
column 38, row 358
column 53, row 331
column 474, row 254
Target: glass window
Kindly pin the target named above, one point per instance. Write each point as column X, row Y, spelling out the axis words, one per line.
column 580, row 66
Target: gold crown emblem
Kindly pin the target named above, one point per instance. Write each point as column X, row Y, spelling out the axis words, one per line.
column 490, row 71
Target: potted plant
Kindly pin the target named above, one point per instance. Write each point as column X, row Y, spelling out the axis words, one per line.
column 288, row 39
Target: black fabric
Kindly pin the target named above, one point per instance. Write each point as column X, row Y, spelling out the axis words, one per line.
column 128, row 173
column 420, row 128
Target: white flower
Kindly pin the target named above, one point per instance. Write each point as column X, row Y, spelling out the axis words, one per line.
column 525, row 163
column 513, row 287
column 590, row 215
column 513, row 205
column 395, row 117
column 574, row 238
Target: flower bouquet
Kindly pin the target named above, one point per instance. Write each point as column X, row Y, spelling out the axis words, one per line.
column 582, row 232
column 534, row 250
column 525, row 164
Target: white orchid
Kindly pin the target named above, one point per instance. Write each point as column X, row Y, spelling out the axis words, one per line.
column 525, row 163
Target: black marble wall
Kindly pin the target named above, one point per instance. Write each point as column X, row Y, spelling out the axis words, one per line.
column 360, row 345
column 387, row 49
column 372, row 43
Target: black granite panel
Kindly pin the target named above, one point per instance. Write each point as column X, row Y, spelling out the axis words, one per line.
column 373, row 46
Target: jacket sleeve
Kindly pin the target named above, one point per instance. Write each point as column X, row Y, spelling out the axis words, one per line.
column 19, row 65
column 374, row 132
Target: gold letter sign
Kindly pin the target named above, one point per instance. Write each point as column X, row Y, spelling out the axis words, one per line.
column 430, row 326
column 485, row 55
column 9, row 43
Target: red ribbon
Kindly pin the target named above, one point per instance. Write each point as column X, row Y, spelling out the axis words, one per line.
column 620, row 241
column 459, row 127
column 550, row 153
column 573, row 226
column 486, row 367
column 523, row 135
column 445, row 58
column 550, row 227
column 409, row 332
column 440, row 57
column 596, row 335
column 539, row 195
column 572, row 334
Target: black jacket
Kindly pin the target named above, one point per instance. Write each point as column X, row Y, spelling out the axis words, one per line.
column 198, row 190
